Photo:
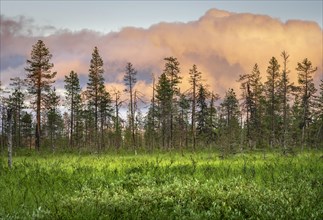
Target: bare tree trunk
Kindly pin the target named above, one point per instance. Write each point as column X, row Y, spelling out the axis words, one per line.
column 52, row 140
column 303, row 135
column 38, row 121
column 117, row 128
column 171, row 114
column 272, row 115
column 19, row 129
column 102, row 145
column 2, row 131
column 72, row 121
column 193, row 115
column 132, row 118
column 10, row 138
column 96, row 136
column 153, row 115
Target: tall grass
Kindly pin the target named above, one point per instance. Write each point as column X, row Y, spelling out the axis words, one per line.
column 162, row 186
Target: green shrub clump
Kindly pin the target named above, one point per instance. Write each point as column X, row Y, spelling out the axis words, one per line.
column 198, row 186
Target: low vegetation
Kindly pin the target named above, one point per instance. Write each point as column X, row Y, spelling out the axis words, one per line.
column 162, row 186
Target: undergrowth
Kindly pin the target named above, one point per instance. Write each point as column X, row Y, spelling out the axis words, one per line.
column 162, row 186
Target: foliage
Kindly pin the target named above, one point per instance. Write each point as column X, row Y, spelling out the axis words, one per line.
column 276, row 113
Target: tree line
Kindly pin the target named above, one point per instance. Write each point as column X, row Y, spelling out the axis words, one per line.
column 273, row 114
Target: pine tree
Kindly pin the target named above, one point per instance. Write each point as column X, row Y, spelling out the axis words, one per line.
column 307, row 91
column 40, row 79
column 73, row 98
column 130, row 81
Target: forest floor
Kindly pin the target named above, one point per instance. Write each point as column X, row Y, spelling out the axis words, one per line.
column 162, row 186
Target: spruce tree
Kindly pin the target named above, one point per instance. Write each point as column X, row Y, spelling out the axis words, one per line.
column 94, row 88
column 184, row 106
column 230, row 128
column 195, row 79
column 3, row 115
column 164, row 94
column 52, row 102
column 172, row 71
column 151, row 122
column 16, row 102
column 252, row 96
column 212, row 121
column 307, row 90
column 272, row 85
column 202, row 112
column 258, row 107
column 285, row 89
column 319, row 116
column 26, row 128
column 248, row 104
column 117, row 120
column 105, row 111
column 130, row 81
column 73, row 99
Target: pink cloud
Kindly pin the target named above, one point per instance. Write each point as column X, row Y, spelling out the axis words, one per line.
column 221, row 44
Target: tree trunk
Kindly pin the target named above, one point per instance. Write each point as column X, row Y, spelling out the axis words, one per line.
column 2, row 131
column 10, row 138
column 303, row 135
column 38, row 120
column 117, row 139
column 19, row 129
column 96, row 120
column 52, row 139
column 272, row 114
column 193, row 115
column 72, row 121
column 153, row 115
column 132, row 118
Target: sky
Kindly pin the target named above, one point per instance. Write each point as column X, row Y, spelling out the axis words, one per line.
column 106, row 16
column 223, row 38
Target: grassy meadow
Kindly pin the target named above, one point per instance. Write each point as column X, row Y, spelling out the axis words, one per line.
column 162, row 186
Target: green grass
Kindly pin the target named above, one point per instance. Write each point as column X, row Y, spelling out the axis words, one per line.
column 162, row 186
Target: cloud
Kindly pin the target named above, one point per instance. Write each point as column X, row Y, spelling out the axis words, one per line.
column 221, row 44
